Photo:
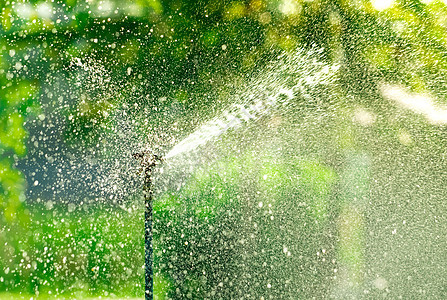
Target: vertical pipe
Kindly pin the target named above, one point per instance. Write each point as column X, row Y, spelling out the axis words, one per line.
column 148, row 162
column 149, row 275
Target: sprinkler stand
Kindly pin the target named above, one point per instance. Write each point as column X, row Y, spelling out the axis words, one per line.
column 148, row 162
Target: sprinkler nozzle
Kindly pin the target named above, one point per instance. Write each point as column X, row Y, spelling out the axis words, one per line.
column 147, row 158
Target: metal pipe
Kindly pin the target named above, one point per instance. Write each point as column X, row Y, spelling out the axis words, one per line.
column 148, row 162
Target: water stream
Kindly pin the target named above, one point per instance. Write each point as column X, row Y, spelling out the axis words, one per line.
column 290, row 75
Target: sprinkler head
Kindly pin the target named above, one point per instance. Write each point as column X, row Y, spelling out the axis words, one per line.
column 147, row 158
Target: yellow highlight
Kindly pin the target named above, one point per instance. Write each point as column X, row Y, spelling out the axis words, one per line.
column 235, row 11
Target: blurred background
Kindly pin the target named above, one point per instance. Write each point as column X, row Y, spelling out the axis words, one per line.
column 339, row 192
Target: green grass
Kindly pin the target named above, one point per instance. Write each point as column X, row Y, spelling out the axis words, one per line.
column 96, row 250
column 17, row 296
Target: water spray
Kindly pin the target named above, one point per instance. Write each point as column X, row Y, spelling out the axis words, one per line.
column 148, row 161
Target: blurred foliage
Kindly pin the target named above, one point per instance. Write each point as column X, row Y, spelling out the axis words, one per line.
column 79, row 250
column 203, row 229
column 181, row 51
column 50, row 263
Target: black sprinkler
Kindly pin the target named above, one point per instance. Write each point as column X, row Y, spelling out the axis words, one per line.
column 148, row 161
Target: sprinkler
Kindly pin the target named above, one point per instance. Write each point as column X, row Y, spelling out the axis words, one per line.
column 148, row 161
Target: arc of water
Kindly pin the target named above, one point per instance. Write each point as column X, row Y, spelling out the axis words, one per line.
column 255, row 107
